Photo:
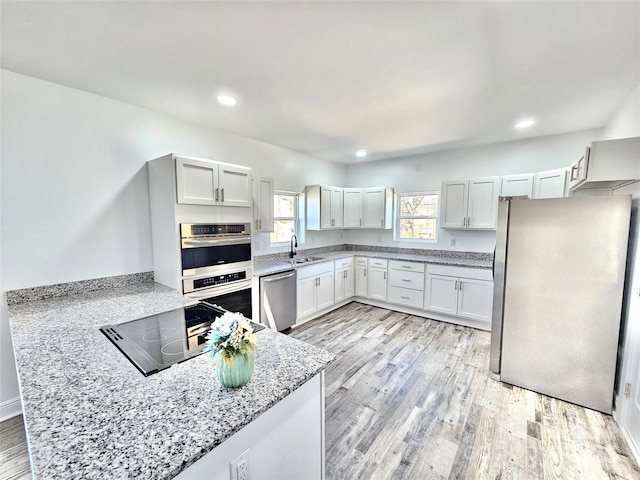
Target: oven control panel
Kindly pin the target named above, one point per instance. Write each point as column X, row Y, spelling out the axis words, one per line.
column 219, row 280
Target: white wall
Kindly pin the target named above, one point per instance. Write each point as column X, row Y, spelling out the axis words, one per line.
column 74, row 196
column 428, row 171
column 626, row 121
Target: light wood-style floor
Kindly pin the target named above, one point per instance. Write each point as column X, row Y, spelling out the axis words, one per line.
column 410, row 398
column 14, row 457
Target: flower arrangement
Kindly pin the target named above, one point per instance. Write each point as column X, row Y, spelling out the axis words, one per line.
column 230, row 335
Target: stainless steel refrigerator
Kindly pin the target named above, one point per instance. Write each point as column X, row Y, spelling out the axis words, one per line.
column 559, row 272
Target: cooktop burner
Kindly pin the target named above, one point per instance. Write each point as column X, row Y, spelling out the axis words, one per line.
column 156, row 342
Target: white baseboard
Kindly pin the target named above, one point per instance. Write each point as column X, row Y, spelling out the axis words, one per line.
column 10, row 408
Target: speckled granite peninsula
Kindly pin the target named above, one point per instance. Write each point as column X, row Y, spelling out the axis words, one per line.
column 91, row 414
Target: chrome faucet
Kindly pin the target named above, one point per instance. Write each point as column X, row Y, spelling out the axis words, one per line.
column 294, row 244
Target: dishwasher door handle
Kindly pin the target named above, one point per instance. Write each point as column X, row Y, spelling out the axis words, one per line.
column 281, row 277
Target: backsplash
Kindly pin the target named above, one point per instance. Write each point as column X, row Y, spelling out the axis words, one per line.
column 263, row 261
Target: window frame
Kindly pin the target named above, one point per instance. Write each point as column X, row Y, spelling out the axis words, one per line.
column 295, row 218
column 398, row 217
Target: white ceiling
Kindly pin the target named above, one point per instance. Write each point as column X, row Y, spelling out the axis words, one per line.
column 328, row 78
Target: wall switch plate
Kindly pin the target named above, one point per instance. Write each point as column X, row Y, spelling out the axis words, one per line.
column 240, row 467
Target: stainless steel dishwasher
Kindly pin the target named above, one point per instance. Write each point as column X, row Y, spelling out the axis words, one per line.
column 278, row 303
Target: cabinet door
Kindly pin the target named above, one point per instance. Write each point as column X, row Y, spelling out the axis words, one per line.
column 339, row 285
column 263, row 204
column 453, row 208
column 378, row 283
column 235, row 185
column 196, row 181
column 374, row 208
column 475, row 299
column 336, row 207
column 326, row 214
column 306, row 296
column 348, row 283
column 324, row 291
column 550, row 184
column 361, row 280
column 517, row 185
column 579, row 170
column 482, row 209
column 442, row 294
column 352, row 203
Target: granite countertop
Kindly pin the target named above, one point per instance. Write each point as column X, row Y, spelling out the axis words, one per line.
column 91, row 414
column 276, row 264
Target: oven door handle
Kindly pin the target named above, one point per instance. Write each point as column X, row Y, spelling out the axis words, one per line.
column 219, row 290
column 193, row 242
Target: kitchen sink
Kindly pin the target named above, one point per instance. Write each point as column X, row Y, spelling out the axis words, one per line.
column 307, row 259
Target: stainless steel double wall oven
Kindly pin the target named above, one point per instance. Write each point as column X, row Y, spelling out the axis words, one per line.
column 216, row 264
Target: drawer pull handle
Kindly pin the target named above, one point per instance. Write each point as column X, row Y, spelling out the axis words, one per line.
column 406, row 298
column 405, row 280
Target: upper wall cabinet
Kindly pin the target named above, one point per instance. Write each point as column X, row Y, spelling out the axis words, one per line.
column 262, row 204
column 205, row 182
column 550, row 184
column 607, row 164
column 324, row 207
column 517, row 185
column 377, row 207
column 470, row 204
column 368, row 208
column 352, row 202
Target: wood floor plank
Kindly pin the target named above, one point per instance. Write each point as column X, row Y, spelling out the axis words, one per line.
column 410, row 398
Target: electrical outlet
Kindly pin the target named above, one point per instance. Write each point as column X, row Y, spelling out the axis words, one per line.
column 240, row 467
column 452, row 241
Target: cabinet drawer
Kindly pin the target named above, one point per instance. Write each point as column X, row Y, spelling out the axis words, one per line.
column 343, row 263
column 361, row 261
column 407, row 266
column 405, row 296
column 412, row 280
column 466, row 272
column 376, row 262
column 313, row 270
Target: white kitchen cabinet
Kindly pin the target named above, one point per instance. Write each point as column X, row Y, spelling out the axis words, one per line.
column 361, row 276
column 206, row 182
column 377, row 208
column 377, row 279
column 406, row 283
column 262, row 204
column 517, row 185
column 607, row 164
column 352, row 208
column 462, row 292
column 314, row 289
column 470, row 204
column 324, row 207
column 550, row 184
column 343, row 279
column 368, row 208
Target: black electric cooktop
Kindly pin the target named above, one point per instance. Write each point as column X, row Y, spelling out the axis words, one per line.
column 156, row 342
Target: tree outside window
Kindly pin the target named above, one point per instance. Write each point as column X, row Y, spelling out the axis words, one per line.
column 285, row 217
column 417, row 216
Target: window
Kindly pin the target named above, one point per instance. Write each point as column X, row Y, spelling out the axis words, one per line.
column 417, row 216
column 285, row 221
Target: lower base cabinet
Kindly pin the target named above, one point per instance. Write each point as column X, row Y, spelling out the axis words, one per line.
column 343, row 280
column 377, row 279
column 361, row 276
column 314, row 289
column 463, row 292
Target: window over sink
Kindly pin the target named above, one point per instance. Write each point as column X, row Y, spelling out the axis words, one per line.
column 286, row 220
column 416, row 216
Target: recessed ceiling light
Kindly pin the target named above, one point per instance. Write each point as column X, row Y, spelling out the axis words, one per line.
column 527, row 122
column 227, row 100
column 361, row 153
